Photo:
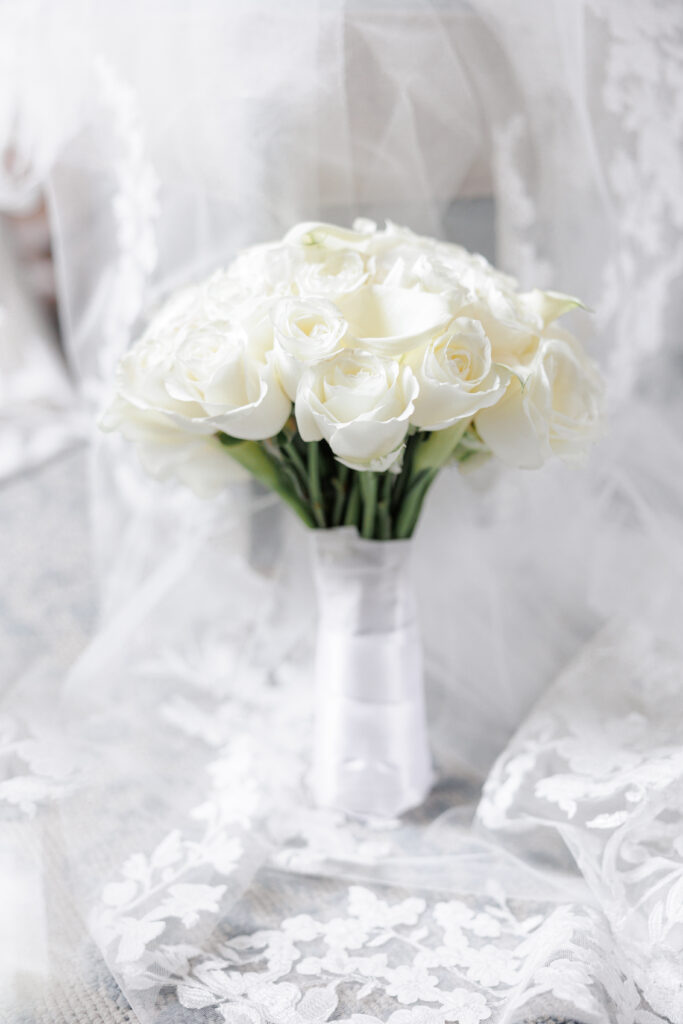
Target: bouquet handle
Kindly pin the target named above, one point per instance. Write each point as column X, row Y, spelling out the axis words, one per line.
column 371, row 751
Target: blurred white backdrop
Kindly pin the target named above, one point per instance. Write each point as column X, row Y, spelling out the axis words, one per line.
column 162, row 137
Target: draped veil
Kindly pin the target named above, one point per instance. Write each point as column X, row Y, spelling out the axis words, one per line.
column 548, row 136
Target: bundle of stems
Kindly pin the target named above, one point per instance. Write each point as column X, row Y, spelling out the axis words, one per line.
column 324, row 493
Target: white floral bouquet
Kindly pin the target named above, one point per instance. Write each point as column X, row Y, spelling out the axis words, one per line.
column 344, row 368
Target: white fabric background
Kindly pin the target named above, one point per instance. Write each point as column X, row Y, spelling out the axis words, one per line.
column 171, row 754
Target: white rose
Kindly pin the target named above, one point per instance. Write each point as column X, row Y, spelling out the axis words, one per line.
column 556, row 411
column 456, row 375
column 177, row 310
column 403, row 259
column 167, row 451
column 411, row 268
column 476, row 273
column 208, row 379
column 514, row 337
column 226, row 296
column 331, row 236
column 514, row 322
column 331, row 274
column 361, row 404
column 391, row 321
column 306, row 331
column 267, row 269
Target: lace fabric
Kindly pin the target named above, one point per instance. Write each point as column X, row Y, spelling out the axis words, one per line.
column 224, row 892
column 603, row 768
column 166, row 861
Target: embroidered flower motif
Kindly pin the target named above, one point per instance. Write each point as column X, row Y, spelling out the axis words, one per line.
column 464, row 1007
column 345, row 933
column 416, row 1015
column 302, row 928
column 409, row 984
column 366, row 906
column 490, row 966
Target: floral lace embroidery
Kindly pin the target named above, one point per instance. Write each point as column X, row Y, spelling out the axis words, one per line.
column 402, row 961
column 135, row 209
column 610, row 781
column 160, row 895
column 35, row 769
column 371, row 959
column 516, row 206
column 640, row 91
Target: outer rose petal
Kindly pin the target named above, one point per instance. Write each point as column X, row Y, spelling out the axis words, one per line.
column 307, row 420
column 368, row 444
column 558, row 411
column 264, row 418
column 254, row 421
column 439, row 405
column 199, row 461
column 510, row 430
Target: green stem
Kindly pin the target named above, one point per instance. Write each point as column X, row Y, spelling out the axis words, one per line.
column 368, row 488
column 384, row 507
column 292, row 476
column 296, row 460
column 424, row 457
column 340, row 484
column 276, row 449
column 406, row 472
column 412, row 503
column 253, row 457
column 314, row 488
column 353, row 504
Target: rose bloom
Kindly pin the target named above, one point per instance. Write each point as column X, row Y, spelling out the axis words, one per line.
column 456, row 375
column 361, row 404
column 206, row 376
column 306, row 331
column 185, row 380
column 166, row 451
column 555, row 409
column 369, row 332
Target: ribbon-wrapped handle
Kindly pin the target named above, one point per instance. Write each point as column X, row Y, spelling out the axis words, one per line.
column 371, row 751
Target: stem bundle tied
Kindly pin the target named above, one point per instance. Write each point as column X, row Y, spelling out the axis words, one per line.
column 325, row 493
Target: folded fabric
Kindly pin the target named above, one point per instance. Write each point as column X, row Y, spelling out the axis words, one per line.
column 38, row 412
column 597, row 769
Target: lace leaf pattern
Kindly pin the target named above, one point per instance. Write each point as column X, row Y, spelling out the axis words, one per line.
column 640, row 91
column 301, row 837
column 135, row 210
column 603, row 139
column 146, row 918
column 161, row 899
column 602, row 770
column 516, row 207
column 423, row 957
column 608, row 777
column 35, row 769
column 391, row 959
column 372, row 956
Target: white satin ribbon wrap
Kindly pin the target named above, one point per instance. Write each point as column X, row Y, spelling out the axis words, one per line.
column 371, row 752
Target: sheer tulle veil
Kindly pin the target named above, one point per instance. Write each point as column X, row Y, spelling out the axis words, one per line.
column 548, row 135
column 168, row 139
